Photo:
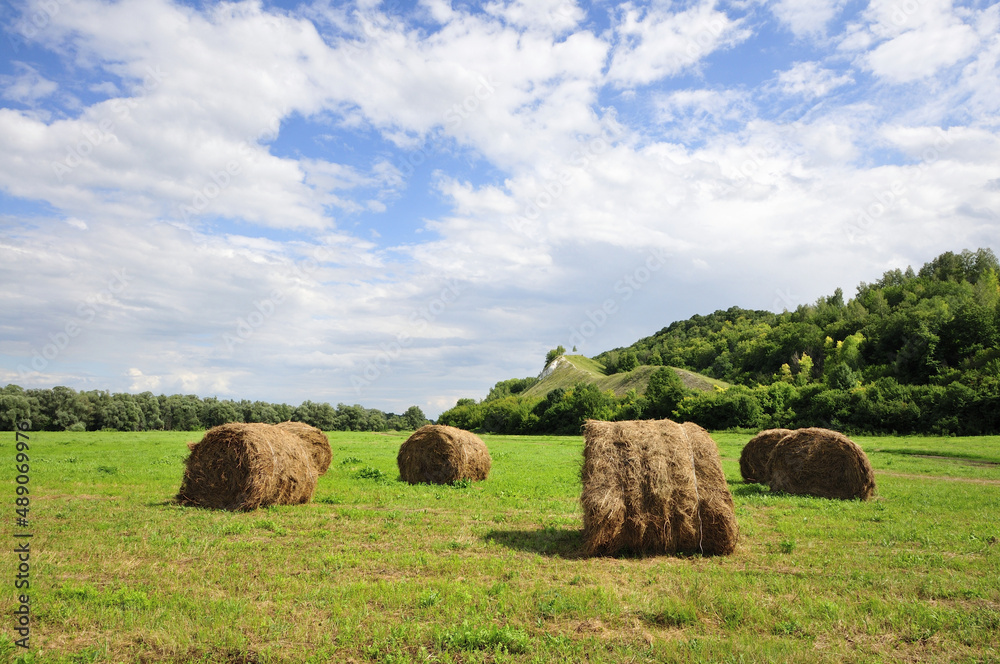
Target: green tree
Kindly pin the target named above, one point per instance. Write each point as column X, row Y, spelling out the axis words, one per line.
column 842, row 377
column 181, row 412
column 627, row 362
column 119, row 412
column 972, row 331
column 466, row 414
column 664, row 391
column 987, row 290
column 805, row 369
column 149, row 405
column 217, row 412
column 320, row 415
column 506, row 388
column 553, row 354
column 414, row 418
column 14, row 408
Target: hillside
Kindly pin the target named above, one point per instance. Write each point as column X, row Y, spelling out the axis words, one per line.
column 566, row 371
column 913, row 352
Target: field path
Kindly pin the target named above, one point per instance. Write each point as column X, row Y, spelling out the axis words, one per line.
column 946, row 478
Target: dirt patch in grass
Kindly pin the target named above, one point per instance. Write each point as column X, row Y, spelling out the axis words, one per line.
column 945, row 478
column 965, row 460
column 73, row 497
column 969, row 462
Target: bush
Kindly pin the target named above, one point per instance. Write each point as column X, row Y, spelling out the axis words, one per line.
column 735, row 408
column 466, row 415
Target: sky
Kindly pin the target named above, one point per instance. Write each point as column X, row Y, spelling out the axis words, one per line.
column 402, row 203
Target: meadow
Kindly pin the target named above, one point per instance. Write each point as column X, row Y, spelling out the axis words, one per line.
column 376, row 570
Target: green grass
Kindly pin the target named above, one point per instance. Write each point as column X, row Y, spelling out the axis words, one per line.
column 579, row 368
column 375, row 570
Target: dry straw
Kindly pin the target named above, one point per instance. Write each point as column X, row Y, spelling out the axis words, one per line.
column 438, row 454
column 753, row 458
column 316, row 440
column 246, row 466
column 654, row 486
column 820, row 462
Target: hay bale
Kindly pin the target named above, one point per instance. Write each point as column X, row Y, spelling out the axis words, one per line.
column 316, row 441
column 719, row 531
column 753, row 458
column 654, row 486
column 820, row 462
column 246, row 466
column 438, row 454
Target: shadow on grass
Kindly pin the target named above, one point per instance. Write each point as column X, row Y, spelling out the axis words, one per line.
column 749, row 489
column 543, row 541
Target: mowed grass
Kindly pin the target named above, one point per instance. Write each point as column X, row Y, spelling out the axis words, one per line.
column 375, row 570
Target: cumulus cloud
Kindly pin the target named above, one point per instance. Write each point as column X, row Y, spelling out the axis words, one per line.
column 654, row 43
column 915, row 39
column 811, row 80
column 806, row 17
column 27, row 86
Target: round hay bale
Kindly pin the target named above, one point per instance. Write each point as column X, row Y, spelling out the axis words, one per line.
column 820, row 462
column 719, row 531
column 753, row 458
column 654, row 486
column 439, row 454
column 245, row 466
column 316, row 441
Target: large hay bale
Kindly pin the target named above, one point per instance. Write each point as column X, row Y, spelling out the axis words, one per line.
column 753, row 458
column 719, row 530
column 439, row 454
column 820, row 462
column 316, row 441
column 246, row 466
column 654, row 486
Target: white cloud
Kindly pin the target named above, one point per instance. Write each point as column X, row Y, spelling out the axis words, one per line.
column 690, row 115
column 915, row 39
column 27, row 86
column 811, row 80
column 554, row 15
column 654, row 43
column 806, row 17
column 916, row 54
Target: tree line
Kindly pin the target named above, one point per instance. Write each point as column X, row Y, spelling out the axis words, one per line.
column 63, row 408
column 914, row 352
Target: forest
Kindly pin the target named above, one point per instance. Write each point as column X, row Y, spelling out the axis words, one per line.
column 913, row 352
column 65, row 409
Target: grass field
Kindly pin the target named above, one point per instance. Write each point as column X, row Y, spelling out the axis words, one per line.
column 375, row 570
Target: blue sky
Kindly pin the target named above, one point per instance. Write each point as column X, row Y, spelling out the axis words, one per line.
column 401, row 203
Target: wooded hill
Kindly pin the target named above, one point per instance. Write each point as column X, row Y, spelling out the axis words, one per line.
column 912, row 352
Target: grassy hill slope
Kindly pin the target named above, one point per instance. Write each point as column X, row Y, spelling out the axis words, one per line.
column 568, row 370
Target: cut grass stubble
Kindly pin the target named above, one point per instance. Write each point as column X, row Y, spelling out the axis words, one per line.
column 378, row 570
